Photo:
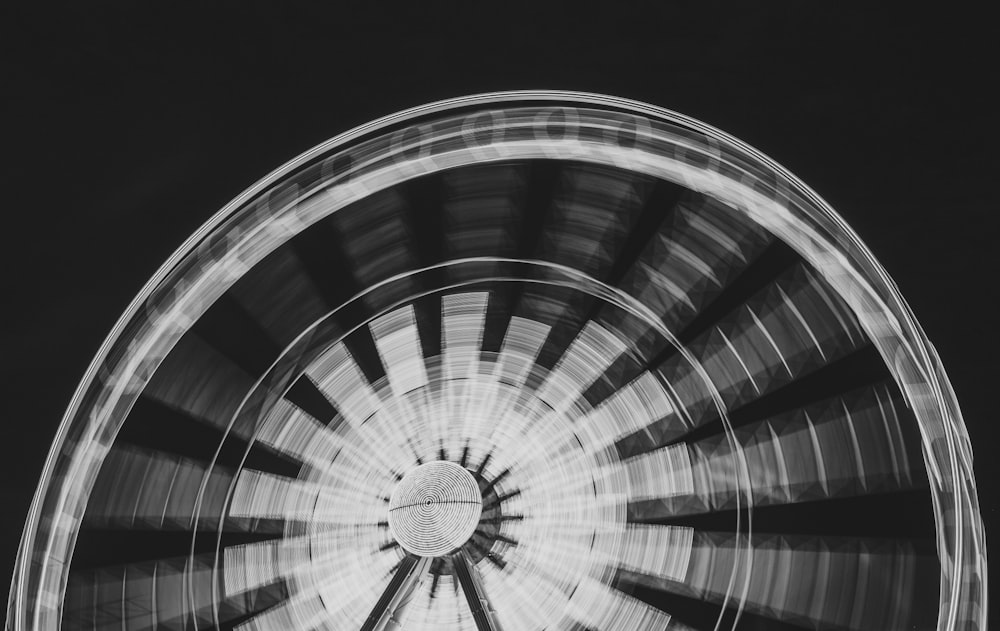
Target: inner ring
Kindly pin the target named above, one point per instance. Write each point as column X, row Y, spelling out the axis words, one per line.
column 435, row 509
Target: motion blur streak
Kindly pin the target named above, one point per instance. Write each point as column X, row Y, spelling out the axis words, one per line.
column 686, row 394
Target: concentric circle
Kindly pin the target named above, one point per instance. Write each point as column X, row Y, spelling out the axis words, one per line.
column 674, row 386
column 435, row 509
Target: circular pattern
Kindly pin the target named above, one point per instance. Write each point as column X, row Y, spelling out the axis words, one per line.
column 686, row 393
column 435, row 509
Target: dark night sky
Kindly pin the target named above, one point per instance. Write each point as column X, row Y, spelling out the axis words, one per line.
column 123, row 131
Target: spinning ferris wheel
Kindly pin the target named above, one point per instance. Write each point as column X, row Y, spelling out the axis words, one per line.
column 512, row 361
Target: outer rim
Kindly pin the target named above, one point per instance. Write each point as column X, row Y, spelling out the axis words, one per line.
column 966, row 600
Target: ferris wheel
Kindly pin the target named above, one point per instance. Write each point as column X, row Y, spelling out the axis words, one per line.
column 528, row 360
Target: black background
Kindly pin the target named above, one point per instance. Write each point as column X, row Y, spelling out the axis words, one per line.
column 126, row 129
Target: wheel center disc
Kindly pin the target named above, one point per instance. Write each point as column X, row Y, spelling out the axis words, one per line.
column 435, row 508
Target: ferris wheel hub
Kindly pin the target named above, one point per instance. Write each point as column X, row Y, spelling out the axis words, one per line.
column 435, row 508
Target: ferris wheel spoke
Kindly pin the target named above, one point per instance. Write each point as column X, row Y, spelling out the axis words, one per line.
column 689, row 613
column 423, row 198
column 856, row 371
column 662, row 551
column 848, row 446
column 332, row 270
column 581, row 235
column 826, row 581
column 229, row 329
column 298, row 611
column 251, row 566
column 784, row 333
column 285, row 313
column 659, row 202
column 462, row 321
column 329, row 454
column 141, row 488
column 159, row 592
column 306, row 395
column 314, row 254
column 713, row 257
column 622, row 371
column 391, row 605
column 544, row 178
column 410, row 418
column 499, row 312
column 339, row 376
column 521, row 344
column 480, row 211
column 580, row 231
column 742, row 356
column 334, row 592
column 887, row 515
column 426, row 220
column 513, row 367
column 545, row 303
column 376, row 238
column 341, row 379
column 198, row 380
column 315, row 561
column 638, row 413
column 484, row 199
column 398, row 343
column 601, row 606
column 766, row 263
column 475, row 595
column 587, row 357
column 567, row 325
column 108, row 546
column 258, row 495
column 438, row 602
column 157, row 427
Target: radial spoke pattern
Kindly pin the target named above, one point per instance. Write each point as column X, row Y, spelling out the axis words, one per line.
column 585, row 489
column 638, row 404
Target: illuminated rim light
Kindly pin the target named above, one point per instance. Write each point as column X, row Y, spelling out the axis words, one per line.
column 492, row 129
